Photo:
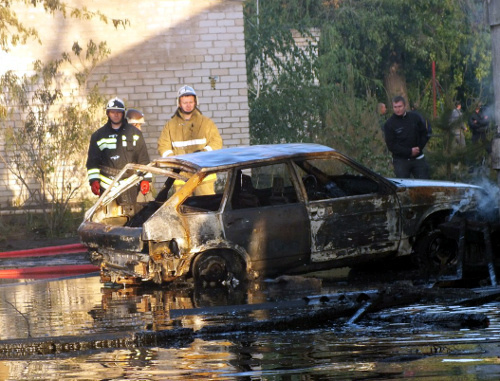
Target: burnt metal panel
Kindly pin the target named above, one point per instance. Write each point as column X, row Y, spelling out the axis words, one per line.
column 419, row 202
column 120, row 238
column 349, row 226
column 275, row 237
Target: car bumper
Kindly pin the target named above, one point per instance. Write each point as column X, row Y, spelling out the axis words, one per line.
column 99, row 237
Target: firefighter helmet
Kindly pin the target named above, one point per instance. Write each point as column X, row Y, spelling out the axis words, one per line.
column 115, row 104
column 186, row 90
column 134, row 116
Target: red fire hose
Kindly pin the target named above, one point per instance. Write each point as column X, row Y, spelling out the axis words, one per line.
column 45, row 251
column 43, row 272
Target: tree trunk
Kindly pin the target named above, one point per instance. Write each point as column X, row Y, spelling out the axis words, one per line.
column 395, row 82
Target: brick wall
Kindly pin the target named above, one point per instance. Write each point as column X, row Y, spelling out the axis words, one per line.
column 168, row 43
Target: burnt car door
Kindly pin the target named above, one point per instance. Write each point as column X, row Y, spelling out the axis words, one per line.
column 354, row 214
column 266, row 217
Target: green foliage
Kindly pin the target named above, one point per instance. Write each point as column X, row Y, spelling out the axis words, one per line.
column 368, row 51
column 285, row 111
column 352, row 126
column 46, row 150
column 449, row 159
column 271, row 49
column 380, row 38
column 9, row 22
column 283, row 95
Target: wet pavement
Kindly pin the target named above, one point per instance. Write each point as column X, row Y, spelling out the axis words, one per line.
column 85, row 310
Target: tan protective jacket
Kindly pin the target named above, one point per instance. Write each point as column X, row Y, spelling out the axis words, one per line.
column 180, row 136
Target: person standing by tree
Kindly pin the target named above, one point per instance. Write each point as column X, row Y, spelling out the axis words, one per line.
column 189, row 131
column 111, row 147
column 457, row 125
column 406, row 136
column 478, row 124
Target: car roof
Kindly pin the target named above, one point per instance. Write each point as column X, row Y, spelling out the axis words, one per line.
column 243, row 154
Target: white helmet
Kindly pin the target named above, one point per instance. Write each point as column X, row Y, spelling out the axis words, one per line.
column 186, row 90
column 115, row 104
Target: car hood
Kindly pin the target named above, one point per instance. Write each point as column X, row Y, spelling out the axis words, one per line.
column 458, row 196
column 412, row 183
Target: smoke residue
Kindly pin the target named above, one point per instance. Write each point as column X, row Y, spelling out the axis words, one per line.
column 490, row 203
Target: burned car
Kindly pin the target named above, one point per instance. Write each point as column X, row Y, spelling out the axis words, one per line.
column 269, row 210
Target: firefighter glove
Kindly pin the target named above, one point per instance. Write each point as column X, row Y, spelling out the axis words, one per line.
column 144, row 186
column 96, row 187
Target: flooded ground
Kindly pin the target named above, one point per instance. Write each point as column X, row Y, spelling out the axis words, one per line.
column 372, row 349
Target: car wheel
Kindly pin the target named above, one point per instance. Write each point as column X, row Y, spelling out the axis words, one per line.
column 436, row 252
column 218, row 268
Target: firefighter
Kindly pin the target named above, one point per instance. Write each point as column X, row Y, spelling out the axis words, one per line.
column 189, row 131
column 111, row 147
column 135, row 118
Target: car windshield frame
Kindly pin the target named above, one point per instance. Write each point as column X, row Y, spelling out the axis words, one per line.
column 116, row 187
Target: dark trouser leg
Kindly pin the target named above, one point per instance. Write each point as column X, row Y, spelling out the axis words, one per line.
column 420, row 168
column 401, row 168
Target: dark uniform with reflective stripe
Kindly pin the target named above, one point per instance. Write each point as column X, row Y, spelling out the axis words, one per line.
column 110, row 150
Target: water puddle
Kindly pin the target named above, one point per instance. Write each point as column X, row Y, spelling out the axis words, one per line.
column 375, row 349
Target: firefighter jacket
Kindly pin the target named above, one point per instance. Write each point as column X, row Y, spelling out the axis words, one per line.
column 180, row 136
column 110, row 150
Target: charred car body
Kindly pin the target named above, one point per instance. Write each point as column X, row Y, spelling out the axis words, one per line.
column 274, row 209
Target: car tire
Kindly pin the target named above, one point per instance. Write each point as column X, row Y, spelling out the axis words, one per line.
column 436, row 253
column 218, row 268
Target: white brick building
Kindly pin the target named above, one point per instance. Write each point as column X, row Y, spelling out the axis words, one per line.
column 168, row 43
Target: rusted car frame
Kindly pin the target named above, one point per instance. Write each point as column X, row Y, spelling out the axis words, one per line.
column 274, row 209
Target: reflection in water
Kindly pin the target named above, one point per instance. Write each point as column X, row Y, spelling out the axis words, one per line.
column 83, row 307
column 47, row 308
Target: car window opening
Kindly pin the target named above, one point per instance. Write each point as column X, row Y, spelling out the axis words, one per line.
column 263, row 186
column 207, row 195
column 331, row 178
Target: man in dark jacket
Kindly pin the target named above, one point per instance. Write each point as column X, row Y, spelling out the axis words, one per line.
column 406, row 136
column 112, row 146
column 478, row 124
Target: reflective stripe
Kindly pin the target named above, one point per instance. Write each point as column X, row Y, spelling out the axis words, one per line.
column 93, row 173
column 109, row 143
column 208, row 148
column 105, row 181
column 166, row 153
column 187, row 143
